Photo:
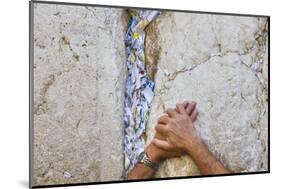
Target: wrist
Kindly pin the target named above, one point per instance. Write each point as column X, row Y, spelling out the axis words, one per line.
column 153, row 153
column 193, row 148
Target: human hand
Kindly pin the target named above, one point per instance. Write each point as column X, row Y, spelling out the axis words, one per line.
column 177, row 129
column 157, row 154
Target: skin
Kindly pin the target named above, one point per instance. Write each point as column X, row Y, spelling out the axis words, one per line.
column 177, row 136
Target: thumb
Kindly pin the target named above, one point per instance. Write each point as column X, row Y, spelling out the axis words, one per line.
column 164, row 145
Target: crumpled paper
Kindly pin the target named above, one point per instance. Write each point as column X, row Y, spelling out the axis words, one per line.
column 139, row 88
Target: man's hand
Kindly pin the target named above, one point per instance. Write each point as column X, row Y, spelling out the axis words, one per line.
column 181, row 136
column 159, row 154
column 178, row 130
column 177, row 136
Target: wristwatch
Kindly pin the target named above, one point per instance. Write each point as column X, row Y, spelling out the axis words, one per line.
column 144, row 159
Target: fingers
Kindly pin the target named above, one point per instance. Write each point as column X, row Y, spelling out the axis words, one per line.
column 171, row 112
column 190, row 108
column 159, row 136
column 180, row 108
column 164, row 119
column 185, row 107
column 162, row 129
column 194, row 115
column 185, row 104
column 164, row 145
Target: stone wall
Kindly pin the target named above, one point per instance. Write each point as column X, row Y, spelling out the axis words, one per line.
column 79, row 81
column 221, row 63
column 79, row 74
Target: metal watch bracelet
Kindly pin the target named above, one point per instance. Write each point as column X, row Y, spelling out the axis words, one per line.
column 144, row 159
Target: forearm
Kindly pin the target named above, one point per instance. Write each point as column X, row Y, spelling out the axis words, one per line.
column 141, row 171
column 205, row 160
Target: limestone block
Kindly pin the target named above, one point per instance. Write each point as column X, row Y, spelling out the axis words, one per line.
column 220, row 62
column 79, row 74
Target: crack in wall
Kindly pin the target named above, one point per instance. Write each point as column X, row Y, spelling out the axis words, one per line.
column 172, row 76
column 261, row 38
column 139, row 89
column 152, row 48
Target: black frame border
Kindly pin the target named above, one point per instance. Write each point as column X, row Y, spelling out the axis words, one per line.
column 31, row 92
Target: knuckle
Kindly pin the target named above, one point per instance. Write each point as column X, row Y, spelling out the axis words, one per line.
column 169, row 109
column 160, row 118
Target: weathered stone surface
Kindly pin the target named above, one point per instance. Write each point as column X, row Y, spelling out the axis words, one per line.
column 79, row 82
column 220, row 62
column 79, row 75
